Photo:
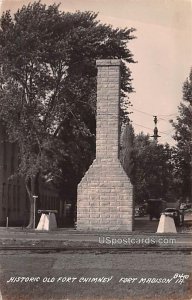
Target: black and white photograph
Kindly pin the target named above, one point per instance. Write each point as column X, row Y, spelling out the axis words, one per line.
column 96, row 150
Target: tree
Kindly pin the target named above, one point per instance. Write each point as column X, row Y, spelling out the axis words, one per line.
column 48, row 87
column 183, row 137
column 127, row 150
column 153, row 168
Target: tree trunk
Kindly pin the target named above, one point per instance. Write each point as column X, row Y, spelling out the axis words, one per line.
column 190, row 109
column 32, row 187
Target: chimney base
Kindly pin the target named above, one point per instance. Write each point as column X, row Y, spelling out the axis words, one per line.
column 105, row 198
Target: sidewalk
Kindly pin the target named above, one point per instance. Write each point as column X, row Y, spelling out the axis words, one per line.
column 70, row 239
column 144, row 237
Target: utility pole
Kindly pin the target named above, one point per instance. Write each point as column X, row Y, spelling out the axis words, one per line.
column 155, row 131
column 155, row 136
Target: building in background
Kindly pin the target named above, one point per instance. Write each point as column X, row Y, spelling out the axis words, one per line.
column 14, row 203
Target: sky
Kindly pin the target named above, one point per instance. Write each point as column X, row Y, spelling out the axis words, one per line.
column 162, row 49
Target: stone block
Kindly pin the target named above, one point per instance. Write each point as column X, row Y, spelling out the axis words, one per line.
column 105, row 191
column 47, row 222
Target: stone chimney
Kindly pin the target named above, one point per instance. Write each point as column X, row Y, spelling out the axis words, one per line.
column 104, row 198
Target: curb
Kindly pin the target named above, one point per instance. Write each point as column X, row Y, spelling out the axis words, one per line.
column 97, row 249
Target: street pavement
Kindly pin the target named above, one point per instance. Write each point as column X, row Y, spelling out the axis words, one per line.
column 71, row 239
column 144, row 236
column 26, row 274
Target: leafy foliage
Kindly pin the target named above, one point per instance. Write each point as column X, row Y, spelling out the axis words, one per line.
column 48, row 87
column 183, row 137
column 127, row 150
column 150, row 169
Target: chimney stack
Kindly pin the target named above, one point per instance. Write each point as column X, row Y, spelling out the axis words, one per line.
column 104, row 198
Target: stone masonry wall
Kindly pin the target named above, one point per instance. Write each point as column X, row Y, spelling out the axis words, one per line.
column 104, row 200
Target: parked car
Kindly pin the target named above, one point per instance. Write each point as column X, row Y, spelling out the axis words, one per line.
column 139, row 212
column 183, row 206
column 155, row 208
column 176, row 214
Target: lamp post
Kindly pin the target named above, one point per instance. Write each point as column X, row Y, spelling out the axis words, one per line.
column 34, row 210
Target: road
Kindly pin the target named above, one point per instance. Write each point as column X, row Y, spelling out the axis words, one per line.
column 71, row 239
column 56, row 276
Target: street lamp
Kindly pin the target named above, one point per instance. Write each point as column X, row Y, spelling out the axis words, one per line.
column 34, row 209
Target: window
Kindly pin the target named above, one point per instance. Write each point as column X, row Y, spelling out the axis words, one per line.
column 4, row 155
column 12, row 158
column 4, row 195
column 18, row 198
column 14, row 198
column 9, row 204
